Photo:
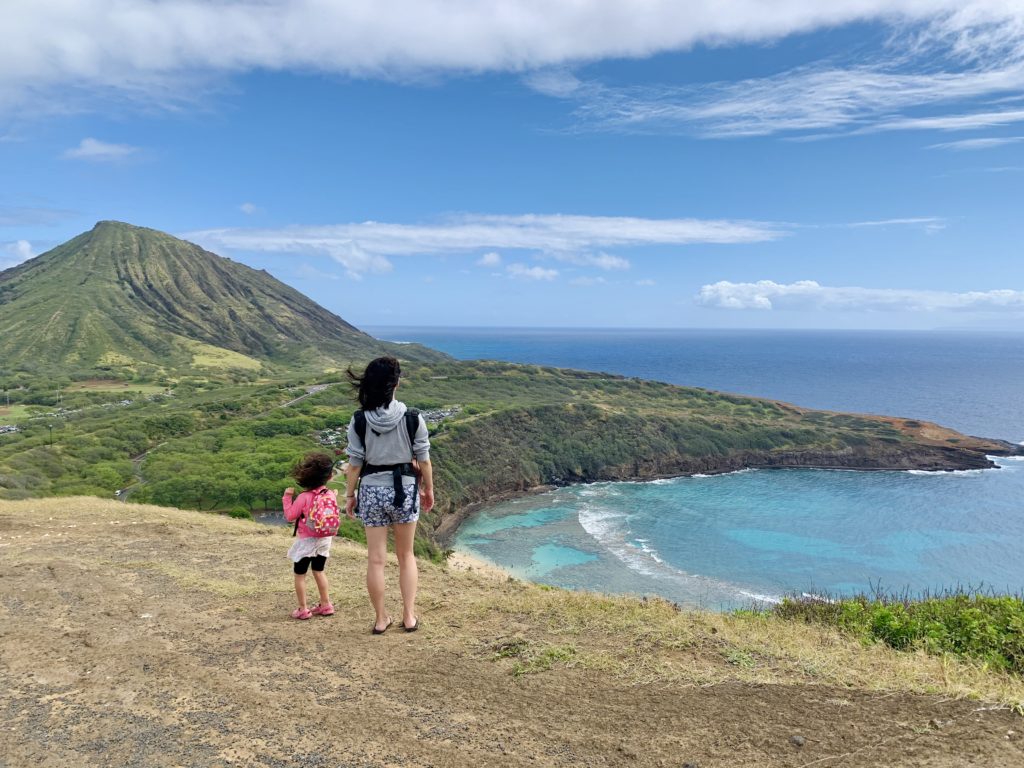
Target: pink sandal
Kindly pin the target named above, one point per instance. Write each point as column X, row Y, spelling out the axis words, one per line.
column 323, row 610
column 302, row 613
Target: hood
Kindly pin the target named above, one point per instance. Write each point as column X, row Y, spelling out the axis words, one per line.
column 382, row 420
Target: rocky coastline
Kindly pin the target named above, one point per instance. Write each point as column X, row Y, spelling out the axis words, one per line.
column 920, row 457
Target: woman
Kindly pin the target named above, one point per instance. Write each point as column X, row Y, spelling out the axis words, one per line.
column 389, row 459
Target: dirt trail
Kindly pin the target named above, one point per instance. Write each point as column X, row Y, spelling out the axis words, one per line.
column 139, row 636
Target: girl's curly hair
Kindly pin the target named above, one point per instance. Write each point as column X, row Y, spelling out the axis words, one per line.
column 314, row 470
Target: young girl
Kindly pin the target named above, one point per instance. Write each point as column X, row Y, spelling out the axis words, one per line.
column 312, row 473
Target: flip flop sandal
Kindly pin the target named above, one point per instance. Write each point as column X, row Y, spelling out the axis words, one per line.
column 322, row 610
column 376, row 631
column 413, row 628
column 302, row 614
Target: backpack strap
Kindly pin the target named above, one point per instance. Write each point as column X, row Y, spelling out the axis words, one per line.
column 360, row 422
column 412, row 424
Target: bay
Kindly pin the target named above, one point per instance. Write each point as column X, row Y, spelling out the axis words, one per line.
column 730, row 540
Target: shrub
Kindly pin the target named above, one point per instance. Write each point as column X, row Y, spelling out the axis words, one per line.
column 988, row 627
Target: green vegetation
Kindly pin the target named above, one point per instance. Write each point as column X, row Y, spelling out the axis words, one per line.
column 971, row 625
column 216, row 446
column 140, row 365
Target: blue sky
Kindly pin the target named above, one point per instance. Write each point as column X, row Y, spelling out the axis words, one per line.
column 700, row 164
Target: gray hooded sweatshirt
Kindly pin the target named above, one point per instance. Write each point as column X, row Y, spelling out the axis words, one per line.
column 387, row 442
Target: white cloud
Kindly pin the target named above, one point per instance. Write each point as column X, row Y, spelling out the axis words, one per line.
column 975, row 144
column 928, row 223
column 491, row 259
column 12, row 254
column 806, row 101
column 98, row 151
column 308, row 272
column 599, row 260
column 964, row 122
column 588, row 281
column 810, row 295
column 249, row 208
column 957, row 60
column 368, row 246
column 159, row 48
column 531, row 273
column 646, row 283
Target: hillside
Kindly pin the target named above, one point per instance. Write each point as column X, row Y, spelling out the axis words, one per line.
column 498, row 429
column 127, row 299
column 147, row 636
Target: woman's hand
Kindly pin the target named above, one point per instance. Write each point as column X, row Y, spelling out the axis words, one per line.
column 426, row 499
column 350, row 507
column 289, row 491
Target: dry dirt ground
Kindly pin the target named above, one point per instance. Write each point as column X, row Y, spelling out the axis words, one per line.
column 141, row 636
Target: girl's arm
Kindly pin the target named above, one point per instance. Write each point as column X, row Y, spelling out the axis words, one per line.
column 293, row 509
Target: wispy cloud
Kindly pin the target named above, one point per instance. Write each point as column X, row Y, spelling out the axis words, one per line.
column 976, row 144
column 27, row 216
column 155, row 49
column 928, row 223
column 810, row 295
column 12, row 254
column 97, row 151
column 579, row 240
column 531, row 273
column 599, row 260
column 491, row 259
column 308, row 272
column 944, row 74
column 249, row 208
column 961, row 122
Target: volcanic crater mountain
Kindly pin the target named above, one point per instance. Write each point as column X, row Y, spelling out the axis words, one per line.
column 127, row 297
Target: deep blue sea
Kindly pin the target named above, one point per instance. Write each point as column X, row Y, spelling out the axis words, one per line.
column 728, row 540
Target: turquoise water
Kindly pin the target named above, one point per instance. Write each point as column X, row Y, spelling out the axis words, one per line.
column 727, row 541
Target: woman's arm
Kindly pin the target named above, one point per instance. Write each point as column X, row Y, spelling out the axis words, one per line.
column 351, row 482
column 426, row 486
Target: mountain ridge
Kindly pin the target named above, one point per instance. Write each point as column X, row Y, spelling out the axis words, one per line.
column 126, row 297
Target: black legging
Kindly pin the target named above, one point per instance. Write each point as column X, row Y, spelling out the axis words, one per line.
column 318, row 564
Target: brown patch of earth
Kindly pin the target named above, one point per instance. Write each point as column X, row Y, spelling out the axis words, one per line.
column 141, row 636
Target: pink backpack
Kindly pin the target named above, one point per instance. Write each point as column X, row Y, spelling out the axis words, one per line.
column 324, row 517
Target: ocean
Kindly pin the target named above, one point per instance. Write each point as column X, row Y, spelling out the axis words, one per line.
column 731, row 540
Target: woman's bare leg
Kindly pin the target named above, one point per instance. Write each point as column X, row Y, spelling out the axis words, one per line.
column 376, row 556
column 408, row 576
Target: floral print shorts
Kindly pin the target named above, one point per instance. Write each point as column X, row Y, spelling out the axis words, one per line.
column 377, row 506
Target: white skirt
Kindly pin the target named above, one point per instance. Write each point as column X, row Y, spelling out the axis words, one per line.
column 310, row 547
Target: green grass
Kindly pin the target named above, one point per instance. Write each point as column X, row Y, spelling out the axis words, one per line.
column 14, row 413
column 209, row 356
column 972, row 625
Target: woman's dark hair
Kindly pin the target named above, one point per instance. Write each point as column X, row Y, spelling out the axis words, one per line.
column 376, row 387
column 314, row 470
